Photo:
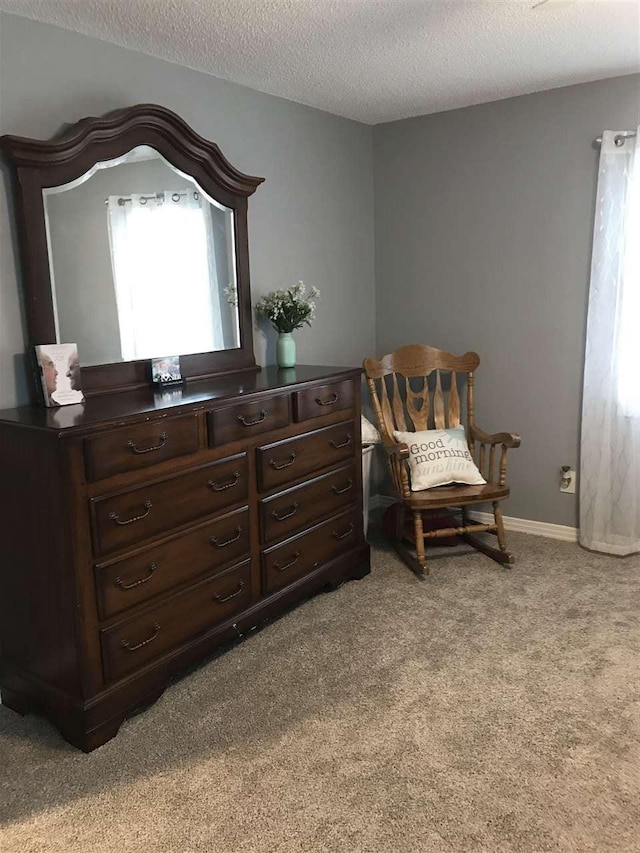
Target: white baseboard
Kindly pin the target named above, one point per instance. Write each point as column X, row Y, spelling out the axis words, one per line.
column 518, row 525
column 535, row 528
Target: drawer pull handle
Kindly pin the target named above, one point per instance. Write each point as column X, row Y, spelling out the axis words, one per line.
column 227, row 484
column 222, row 543
column 292, row 510
column 329, row 401
column 113, row 516
column 220, row 599
column 137, row 450
column 279, row 568
column 338, row 491
column 124, row 586
column 344, row 443
column 126, row 645
column 278, row 466
column 257, row 420
column 344, row 535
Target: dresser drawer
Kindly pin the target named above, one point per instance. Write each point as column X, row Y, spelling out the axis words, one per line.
column 323, row 400
column 123, row 519
column 130, row 644
column 134, row 580
column 136, row 447
column 287, row 512
column 291, row 459
column 285, row 563
column 245, row 420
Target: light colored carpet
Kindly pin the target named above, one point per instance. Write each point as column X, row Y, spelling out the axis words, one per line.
column 481, row 710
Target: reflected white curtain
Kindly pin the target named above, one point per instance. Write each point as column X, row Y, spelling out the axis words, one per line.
column 163, row 261
column 610, row 457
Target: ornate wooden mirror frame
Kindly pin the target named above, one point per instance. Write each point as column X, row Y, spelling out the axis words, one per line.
column 39, row 164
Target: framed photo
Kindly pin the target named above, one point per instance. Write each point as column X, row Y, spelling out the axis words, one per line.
column 166, row 370
column 59, row 374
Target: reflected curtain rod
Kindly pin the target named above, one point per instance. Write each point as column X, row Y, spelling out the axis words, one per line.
column 175, row 196
column 619, row 138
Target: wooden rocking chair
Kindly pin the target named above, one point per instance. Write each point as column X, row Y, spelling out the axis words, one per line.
column 398, row 406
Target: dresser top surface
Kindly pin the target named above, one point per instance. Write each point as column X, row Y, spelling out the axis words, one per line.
column 147, row 402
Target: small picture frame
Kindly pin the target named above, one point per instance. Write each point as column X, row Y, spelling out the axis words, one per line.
column 59, row 371
column 166, row 371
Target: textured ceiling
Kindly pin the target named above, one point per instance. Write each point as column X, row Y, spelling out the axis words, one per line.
column 371, row 60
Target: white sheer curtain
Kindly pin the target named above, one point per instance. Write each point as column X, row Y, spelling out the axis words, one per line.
column 610, row 457
column 163, row 259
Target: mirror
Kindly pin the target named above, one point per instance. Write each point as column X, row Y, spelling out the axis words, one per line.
column 134, row 243
column 142, row 262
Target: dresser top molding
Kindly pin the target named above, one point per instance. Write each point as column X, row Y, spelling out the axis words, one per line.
column 148, row 404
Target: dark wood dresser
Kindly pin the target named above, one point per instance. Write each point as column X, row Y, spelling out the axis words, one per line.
column 140, row 530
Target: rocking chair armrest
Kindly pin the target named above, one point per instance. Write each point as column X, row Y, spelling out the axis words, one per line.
column 395, row 448
column 508, row 439
column 398, row 454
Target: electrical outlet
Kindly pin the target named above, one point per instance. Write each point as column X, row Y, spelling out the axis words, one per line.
column 567, row 480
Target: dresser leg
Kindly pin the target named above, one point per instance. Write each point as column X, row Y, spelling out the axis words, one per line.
column 21, row 703
column 360, row 571
column 88, row 741
column 353, row 573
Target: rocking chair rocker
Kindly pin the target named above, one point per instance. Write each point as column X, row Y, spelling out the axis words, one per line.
column 422, row 409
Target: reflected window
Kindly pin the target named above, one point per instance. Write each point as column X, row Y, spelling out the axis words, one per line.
column 162, row 253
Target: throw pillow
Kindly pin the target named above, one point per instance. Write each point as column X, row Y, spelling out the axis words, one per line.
column 439, row 457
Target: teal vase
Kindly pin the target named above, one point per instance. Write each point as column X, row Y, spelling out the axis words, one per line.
column 286, row 350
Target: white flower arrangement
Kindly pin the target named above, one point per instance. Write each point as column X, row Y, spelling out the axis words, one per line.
column 289, row 309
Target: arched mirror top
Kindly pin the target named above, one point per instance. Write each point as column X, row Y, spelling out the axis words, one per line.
column 134, row 246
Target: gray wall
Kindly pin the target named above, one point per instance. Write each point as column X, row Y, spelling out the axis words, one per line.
column 484, row 222
column 312, row 219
